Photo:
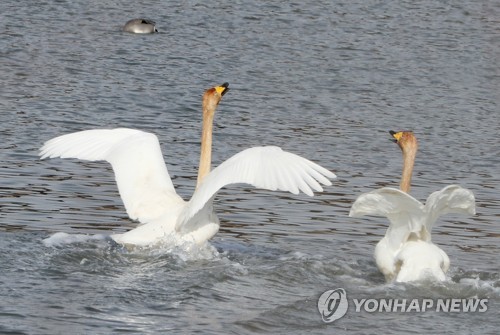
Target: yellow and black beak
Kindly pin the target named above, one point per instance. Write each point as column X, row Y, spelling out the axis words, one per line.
column 222, row 89
column 396, row 136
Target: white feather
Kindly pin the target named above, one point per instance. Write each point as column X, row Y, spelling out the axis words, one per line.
column 148, row 193
column 406, row 252
column 268, row 168
column 140, row 172
column 451, row 199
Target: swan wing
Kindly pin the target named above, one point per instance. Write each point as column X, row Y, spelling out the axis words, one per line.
column 140, row 172
column 404, row 212
column 385, row 201
column 450, row 199
column 268, row 168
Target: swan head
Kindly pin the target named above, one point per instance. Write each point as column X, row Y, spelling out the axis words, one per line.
column 213, row 96
column 404, row 139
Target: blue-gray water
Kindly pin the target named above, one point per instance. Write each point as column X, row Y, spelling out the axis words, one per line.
column 325, row 80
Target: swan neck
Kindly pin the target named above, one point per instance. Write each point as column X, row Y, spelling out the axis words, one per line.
column 408, row 163
column 206, row 146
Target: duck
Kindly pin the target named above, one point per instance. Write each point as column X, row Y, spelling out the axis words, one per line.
column 140, row 26
column 149, row 195
column 406, row 253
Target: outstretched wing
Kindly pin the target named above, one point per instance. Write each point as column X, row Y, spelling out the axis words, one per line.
column 263, row 167
column 450, row 199
column 384, row 202
column 140, row 172
column 403, row 211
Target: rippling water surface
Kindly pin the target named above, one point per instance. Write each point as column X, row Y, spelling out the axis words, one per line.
column 325, row 80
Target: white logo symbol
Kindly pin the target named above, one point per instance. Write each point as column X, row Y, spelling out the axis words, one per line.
column 332, row 305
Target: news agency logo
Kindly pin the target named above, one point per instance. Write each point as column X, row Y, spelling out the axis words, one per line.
column 333, row 305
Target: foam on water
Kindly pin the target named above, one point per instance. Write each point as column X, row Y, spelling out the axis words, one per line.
column 60, row 239
column 185, row 251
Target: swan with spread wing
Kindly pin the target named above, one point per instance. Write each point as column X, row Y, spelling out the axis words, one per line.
column 406, row 252
column 148, row 193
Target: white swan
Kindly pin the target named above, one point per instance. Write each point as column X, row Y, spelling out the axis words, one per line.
column 406, row 252
column 147, row 190
column 140, row 26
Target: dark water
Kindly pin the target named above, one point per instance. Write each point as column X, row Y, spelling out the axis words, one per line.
column 325, row 80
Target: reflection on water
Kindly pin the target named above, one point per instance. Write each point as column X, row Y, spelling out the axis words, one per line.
column 325, row 80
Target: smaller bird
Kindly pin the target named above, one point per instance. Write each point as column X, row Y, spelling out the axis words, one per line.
column 406, row 252
column 140, row 26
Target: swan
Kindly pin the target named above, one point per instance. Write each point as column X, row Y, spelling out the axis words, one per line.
column 140, row 26
column 148, row 193
column 406, row 252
